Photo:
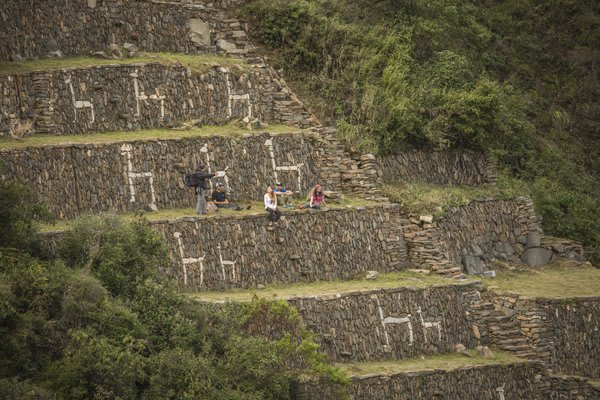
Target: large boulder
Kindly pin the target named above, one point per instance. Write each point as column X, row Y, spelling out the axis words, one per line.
column 536, row 257
column 199, row 32
column 473, row 265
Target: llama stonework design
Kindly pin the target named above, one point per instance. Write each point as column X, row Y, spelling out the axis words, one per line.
column 233, row 98
column 185, row 261
column 141, row 96
column 230, row 265
column 275, row 167
column 80, row 104
column 393, row 320
column 126, row 150
column 429, row 325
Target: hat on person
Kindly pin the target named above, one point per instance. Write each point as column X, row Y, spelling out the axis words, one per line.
column 219, row 184
column 278, row 184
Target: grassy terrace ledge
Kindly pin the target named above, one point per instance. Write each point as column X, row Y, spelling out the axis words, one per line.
column 185, row 131
column 198, row 63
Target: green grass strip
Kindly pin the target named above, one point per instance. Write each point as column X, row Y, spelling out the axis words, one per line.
column 230, row 130
column 175, row 213
column 425, row 198
column 199, row 63
column 326, row 288
column 560, row 280
column 448, row 362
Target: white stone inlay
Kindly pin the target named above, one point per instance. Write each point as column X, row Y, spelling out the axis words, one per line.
column 232, row 98
column 297, row 167
column 204, row 150
column 141, row 96
column 80, row 104
column 500, row 391
column 126, row 150
column 185, row 261
column 428, row 325
column 230, row 264
column 393, row 320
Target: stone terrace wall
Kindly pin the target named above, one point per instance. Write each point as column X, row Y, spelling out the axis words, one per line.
column 392, row 323
column 148, row 95
column 489, row 229
column 222, row 4
column 440, row 167
column 128, row 176
column 563, row 333
column 491, row 382
column 306, row 246
column 475, row 233
column 569, row 388
column 76, row 179
column 34, row 28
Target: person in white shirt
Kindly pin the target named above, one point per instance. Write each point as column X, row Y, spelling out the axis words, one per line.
column 271, row 206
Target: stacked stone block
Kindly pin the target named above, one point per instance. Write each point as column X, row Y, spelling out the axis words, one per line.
column 32, row 29
column 491, row 382
column 144, row 95
column 439, row 167
column 305, row 247
column 390, row 324
column 563, row 333
column 83, row 178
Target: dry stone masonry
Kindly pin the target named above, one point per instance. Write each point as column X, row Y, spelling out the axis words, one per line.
column 239, row 252
column 391, row 324
column 224, row 252
column 440, row 167
column 128, row 176
column 469, row 239
column 75, row 27
column 492, row 382
column 564, row 333
column 144, row 95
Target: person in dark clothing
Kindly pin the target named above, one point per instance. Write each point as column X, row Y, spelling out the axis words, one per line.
column 219, row 198
column 202, row 178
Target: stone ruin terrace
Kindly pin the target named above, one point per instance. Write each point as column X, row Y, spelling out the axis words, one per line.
column 95, row 135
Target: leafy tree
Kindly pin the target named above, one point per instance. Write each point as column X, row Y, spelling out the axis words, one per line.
column 122, row 255
column 19, row 209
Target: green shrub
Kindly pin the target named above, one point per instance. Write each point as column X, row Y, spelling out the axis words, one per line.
column 19, row 209
column 122, row 255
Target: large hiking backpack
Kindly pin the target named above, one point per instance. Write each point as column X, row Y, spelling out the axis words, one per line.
column 191, row 179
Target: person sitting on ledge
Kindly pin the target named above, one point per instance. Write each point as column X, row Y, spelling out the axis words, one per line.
column 271, row 207
column 219, row 199
column 316, row 198
column 283, row 195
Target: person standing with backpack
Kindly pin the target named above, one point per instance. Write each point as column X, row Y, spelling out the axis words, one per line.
column 198, row 180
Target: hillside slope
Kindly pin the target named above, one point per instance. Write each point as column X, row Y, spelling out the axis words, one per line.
column 518, row 79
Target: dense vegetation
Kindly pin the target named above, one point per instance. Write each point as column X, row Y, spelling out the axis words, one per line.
column 517, row 78
column 100, row 322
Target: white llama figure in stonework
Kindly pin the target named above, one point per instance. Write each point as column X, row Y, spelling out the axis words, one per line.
column 188, row 260
column 126, row 150
column 226, row 262
column 427, row 325
column 393, row 320
column 500, row 391
column 296, row 167
column 204, row 150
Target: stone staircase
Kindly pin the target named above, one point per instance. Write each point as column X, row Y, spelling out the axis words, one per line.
column 225, row 252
